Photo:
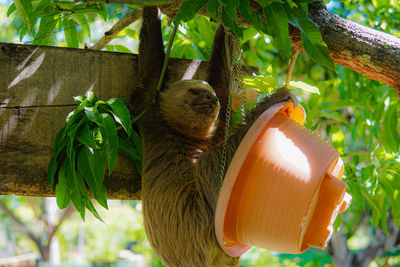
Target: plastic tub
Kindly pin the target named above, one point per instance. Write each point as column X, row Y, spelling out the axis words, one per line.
column 282, row 190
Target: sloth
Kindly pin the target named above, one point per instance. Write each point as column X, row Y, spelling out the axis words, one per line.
column 182, row 131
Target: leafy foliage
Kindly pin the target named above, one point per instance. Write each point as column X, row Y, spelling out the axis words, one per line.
column 358, row 116
column 277, row 13
column 86, row 147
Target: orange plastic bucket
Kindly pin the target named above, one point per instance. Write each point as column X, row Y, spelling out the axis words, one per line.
column 282, row 190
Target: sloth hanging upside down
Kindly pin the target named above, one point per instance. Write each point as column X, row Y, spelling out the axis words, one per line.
column 182, row 132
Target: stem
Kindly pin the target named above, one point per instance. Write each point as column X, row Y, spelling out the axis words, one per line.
column 164, row 69
column 124, row 22
column 291, row 67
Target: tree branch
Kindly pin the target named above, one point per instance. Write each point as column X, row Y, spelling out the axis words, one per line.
column 65, row 215
column 124, row 22
column 24, row 228
column 370, row 52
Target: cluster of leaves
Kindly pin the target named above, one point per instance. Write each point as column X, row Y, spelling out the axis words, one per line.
column 87, row 146
column 43, row 18
column 278, row 14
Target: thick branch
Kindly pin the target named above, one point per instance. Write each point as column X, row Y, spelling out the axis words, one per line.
column 372, row 53
column 119, row 26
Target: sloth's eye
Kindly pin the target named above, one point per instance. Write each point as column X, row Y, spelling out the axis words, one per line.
column 195, row 91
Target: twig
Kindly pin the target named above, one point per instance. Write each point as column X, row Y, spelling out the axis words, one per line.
column 164, row 69
column 65, row 215
column 88, row 6
column 23, row 226
column 291, row 67
column 119, row 26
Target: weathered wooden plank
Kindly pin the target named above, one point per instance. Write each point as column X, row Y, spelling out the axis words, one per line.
column 36, row 89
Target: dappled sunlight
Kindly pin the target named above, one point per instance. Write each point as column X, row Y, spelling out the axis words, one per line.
column 12, row 122
column 191, row 70
column 26, row 60
column 3, row 104
column 54, row 91
column 91, row 87
column 290, row 154
column 29, row 70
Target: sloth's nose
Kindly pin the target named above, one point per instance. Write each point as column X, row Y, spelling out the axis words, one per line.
column 206, row 97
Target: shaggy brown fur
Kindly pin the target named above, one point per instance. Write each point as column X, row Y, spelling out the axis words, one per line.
column 180, row 178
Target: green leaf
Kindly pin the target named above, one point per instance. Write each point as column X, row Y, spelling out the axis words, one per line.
column 310, row 36
column 188, row 9
column 81, row 20
column 342, row 104
column 137, row 141
column 333, row 116
column 109, row 133
column 63, row 197
column 121, row 114
column 23, row 31
column 11, row 9
column 79, row 99
column 265, row 84
column 51, row 170
column 59, row 142
column 250, row 15
column 42, row 4
column 231, row 24
column 212, row 8
column 277, row 23
column 127, row 149
column 46, row 26
column 338, row 222
column 77, row 197
column 85, row 136
column 70, row 32
column 91, row 97
column 87, row 202
column 122, row 49
column 102, row 11
column 92, row 166
column 24, row 8
column 303, row 1
column 90, row 207
column 93, row 114
column 391, row 134
column 303, row 86
column 230, row 7
column 264, row 3
column 393, row 252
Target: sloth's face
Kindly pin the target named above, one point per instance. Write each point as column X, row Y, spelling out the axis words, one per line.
column 191, row 106
column 202, row 101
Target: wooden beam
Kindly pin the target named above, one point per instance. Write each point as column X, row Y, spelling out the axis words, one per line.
column 36, row 89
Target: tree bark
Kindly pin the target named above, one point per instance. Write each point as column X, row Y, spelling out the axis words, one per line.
column 36, row 89
column 380, row 242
